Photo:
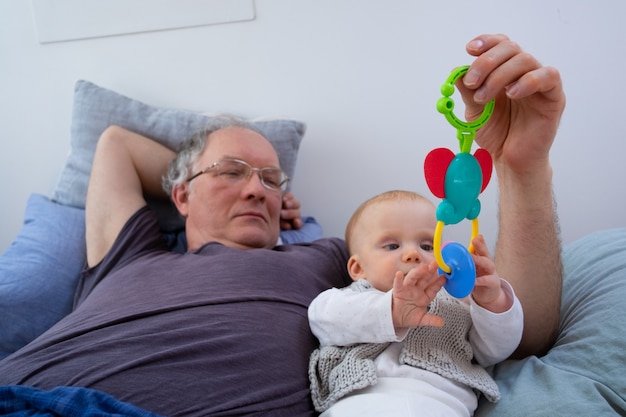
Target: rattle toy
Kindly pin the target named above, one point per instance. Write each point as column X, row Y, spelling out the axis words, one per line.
column 458, row 180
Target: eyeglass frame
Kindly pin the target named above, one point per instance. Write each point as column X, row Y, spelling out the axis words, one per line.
column 282, row 187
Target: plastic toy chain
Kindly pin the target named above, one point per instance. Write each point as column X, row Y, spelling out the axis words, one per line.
column 458, row 180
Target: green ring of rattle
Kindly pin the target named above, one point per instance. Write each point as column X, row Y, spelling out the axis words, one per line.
column 445, row 106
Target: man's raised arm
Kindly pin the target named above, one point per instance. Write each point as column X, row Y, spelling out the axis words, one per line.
column 519, row 135
column 126, row 165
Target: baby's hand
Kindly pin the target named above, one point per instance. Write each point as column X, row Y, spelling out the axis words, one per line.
column 488, row 291
column 412, row 294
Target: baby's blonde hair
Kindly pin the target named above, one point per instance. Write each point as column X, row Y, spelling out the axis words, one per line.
column 393, row 195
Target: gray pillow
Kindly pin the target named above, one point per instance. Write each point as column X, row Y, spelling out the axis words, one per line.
column 96, row 108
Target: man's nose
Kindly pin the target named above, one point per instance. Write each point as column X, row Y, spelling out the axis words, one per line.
column 253, row 183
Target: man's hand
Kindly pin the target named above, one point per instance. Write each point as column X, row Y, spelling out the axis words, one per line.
column 529, row 101
column 411, row 295
column 290, row 217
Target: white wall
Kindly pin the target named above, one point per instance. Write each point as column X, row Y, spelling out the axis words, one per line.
column 364, row 75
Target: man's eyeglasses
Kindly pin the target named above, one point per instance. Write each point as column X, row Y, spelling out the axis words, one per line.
column 235, row 170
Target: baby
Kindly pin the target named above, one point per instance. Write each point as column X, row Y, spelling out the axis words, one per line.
column 394, row 342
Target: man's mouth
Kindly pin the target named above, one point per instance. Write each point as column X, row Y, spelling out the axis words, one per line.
column 251, row 214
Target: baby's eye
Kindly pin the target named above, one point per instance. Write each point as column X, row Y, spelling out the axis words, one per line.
column 427, row 247
column 391, row 246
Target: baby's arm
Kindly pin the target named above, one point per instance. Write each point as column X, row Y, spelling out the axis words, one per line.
column 494, row 337
column 497, row 316
column 343, row 317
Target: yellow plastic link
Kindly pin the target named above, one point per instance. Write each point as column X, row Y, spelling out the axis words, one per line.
column 437, row 248
column 474, row 234
column 437, row 244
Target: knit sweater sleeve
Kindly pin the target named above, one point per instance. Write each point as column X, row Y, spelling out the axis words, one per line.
column 493, row 336
column 343, row 317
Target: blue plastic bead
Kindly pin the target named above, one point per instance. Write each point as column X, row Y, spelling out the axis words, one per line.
column 460, row 281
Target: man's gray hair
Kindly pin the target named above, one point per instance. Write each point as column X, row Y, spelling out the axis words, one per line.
column 184, row 163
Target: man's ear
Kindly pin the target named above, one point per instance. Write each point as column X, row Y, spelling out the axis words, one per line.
column 180, row 197
column 355, row 269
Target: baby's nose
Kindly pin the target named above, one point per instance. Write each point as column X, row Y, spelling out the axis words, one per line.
column 411, row 255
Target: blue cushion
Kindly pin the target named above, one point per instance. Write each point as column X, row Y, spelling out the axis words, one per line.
column 310, row 231
column 39, row 271
column 583, row 374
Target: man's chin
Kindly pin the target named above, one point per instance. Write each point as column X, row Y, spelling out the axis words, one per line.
column 257, row 239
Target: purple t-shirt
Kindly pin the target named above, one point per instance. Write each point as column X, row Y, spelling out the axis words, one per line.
column 219, row 331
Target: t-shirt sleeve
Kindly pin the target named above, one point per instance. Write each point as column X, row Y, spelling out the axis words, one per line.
column 140, row 233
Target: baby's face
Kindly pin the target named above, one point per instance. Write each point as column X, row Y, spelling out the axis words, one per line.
column 392, row 236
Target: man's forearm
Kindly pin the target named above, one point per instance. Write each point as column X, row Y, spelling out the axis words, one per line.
column 528, row 254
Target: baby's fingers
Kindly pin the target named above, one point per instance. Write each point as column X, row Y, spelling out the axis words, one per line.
column 432, row 320
column 480, row 246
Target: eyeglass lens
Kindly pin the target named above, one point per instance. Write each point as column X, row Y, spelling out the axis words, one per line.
column 234, row 170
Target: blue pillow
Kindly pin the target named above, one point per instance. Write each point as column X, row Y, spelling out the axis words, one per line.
column 583, row 374
column 310, row 231
column 39, row 271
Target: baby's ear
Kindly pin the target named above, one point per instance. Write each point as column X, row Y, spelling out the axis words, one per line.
column 355, row 269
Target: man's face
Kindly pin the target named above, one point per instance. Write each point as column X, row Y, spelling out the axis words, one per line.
column 244, row 214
